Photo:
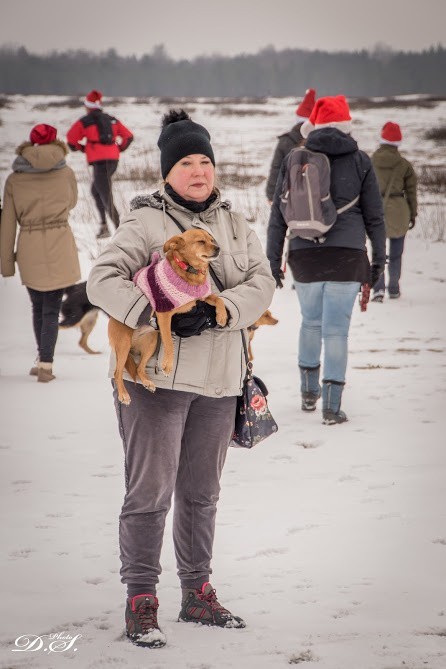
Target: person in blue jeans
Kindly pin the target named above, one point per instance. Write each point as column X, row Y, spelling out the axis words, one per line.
column 398, row 186
column 328, row 274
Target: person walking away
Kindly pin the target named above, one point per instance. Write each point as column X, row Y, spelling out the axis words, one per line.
column 398, row 186
column 288, row 141
column 176, row 439
column 106, row 138
column 329, row 271
column 38, row 197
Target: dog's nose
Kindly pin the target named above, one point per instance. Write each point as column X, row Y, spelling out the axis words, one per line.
column 216, row 250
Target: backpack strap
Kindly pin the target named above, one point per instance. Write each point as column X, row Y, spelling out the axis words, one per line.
column 348, row 206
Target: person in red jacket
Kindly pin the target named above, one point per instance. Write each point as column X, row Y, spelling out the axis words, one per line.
column 106, row 138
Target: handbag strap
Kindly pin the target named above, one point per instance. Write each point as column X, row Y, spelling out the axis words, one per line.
column 221, row 288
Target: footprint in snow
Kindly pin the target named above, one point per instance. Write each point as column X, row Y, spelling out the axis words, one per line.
column 341, row 613
column 304, row 656
column 94, row 580
column 21, row 553
column 301, row 528
column 266, row 552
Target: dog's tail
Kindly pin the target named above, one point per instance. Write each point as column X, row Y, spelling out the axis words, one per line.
column 130, row 366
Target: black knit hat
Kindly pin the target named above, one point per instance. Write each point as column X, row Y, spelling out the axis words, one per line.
column 181, row 137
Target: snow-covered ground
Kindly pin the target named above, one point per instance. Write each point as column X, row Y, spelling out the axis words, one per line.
column 331, row 541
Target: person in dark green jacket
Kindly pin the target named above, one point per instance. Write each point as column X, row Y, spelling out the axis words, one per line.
column 398, row 187
column 289, row 140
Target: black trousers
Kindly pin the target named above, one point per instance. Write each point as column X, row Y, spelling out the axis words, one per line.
column 46, row 307
column 101, row 189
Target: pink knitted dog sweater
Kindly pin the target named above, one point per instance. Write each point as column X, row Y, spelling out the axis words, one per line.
column 164, row 288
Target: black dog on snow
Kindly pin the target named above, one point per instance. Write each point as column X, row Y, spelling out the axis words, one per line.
column 77, row 311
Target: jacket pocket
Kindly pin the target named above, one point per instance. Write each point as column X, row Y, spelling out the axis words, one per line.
column 241, row 261
column 236, row 266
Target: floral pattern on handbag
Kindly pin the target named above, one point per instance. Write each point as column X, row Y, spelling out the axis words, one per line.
column 253, row 419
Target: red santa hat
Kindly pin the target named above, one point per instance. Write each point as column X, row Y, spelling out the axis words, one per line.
column 42, row 134
column 305, row 108
column 391, row 134
column 329, row 112
column 93, row 100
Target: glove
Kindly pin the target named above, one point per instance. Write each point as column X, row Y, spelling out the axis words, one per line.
column 192, row 323
column 375, row 273
column 364, row 296
column 411, row 223
column 279, row 277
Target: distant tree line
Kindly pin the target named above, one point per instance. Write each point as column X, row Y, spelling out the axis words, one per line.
column 266, row 73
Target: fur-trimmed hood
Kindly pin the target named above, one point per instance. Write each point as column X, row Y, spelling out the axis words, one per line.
column 40, row 158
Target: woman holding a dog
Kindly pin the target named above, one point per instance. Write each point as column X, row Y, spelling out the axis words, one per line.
column 176, row 438
column 39, row 195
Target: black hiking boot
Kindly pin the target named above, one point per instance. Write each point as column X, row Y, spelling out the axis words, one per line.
column 142, row 623
column 329, row 417
column 202, row 606
column 309, row 401
column 378, row 296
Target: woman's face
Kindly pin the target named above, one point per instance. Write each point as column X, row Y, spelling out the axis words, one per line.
column 192, row 177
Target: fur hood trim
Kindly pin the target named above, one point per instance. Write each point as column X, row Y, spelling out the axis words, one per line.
column 152, row 200
column 155, row 201
column 57, row 142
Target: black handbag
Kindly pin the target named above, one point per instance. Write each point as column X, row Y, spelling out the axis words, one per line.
column 253, row 419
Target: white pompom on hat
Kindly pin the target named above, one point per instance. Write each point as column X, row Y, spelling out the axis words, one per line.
column 329, row 112
column 93, row 100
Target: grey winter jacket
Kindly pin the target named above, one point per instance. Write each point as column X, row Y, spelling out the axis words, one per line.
column 352, row 174
column 212, row 363
column 287, row 141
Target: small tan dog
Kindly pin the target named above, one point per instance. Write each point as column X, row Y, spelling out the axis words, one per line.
column 265, row 319
column 185, row 269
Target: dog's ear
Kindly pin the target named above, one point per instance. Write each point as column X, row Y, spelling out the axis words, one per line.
column 173, row 243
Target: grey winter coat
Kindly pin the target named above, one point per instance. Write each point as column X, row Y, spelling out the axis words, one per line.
column 287, row 141
column 393, row 170
column 212, row 363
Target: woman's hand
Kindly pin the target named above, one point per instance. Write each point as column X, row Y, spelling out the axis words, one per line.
column 192, row 323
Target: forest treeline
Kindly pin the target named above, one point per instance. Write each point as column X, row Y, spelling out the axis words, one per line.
column 382, row 72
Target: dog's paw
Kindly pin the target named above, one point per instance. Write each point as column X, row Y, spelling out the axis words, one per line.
column 166, row 368
column 221, row 317
column 124, row 399
column 149, row 385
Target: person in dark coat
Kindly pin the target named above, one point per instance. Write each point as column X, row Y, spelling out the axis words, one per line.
column 398, row 185
column 106, row 139
column 289, row 140
column 328, row 275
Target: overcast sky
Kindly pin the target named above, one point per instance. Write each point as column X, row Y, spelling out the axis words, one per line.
column 188, row 28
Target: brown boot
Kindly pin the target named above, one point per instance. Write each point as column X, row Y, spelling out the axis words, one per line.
column 45, row 372
column 34, row 369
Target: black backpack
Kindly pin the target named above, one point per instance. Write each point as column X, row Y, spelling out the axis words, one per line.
column 104, row 123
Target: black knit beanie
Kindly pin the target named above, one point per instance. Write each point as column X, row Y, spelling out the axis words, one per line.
column 181, row 137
